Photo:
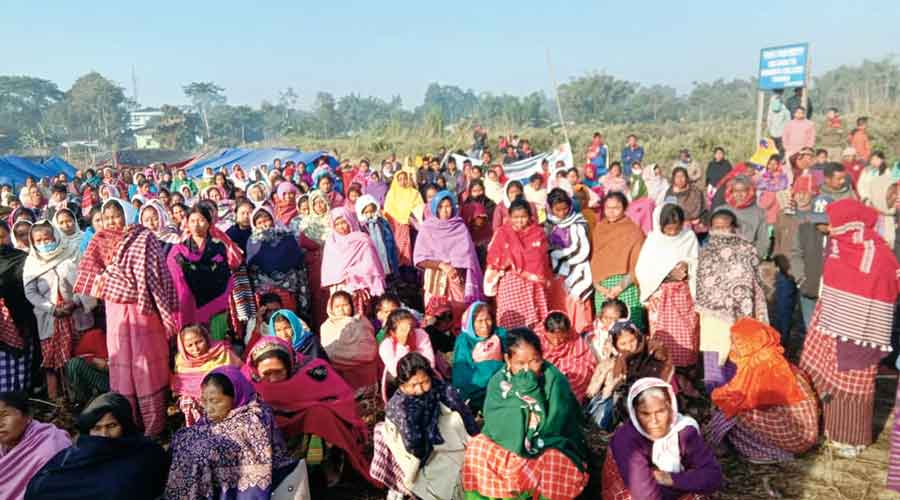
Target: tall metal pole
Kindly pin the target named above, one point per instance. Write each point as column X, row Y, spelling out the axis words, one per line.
column 558, row 103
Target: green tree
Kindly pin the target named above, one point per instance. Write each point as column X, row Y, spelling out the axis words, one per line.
column 176, row 129
column 325, row 109
column 95, row 109
column 24, row 105
column 597, row 97
column 205, row 96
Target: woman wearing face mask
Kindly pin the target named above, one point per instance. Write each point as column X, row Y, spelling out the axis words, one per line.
column 426, row 422
column 238, row 434
column 310, row 399
column 25, row 444
column 124, row 266
column 658, row 453
column 531, row 443
column 198, row 354
column 275, row 262
column 110, row 459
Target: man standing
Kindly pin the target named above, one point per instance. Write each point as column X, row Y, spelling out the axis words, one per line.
column 796, row 101
column 776, row 120
column 632, row 153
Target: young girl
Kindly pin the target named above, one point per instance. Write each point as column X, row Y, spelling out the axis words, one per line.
column 287, row 326
column 197, row 355
column 403, row 337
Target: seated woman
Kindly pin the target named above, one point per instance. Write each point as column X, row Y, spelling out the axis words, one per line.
column 426, row 424
column 349, row 340
column 658, row 453
column 110, row 459
column 275, row 262
column 309, row 399
column 402, row 337
column 285, row 325
column 197, row 355
column 235, row 451
column 568, row 352
column 531, row 444
column 477, row 355
column 87, row 372
column 25, row 445
column 768, row 410
column 349, row 260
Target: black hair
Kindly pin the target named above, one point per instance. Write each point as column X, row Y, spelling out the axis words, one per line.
column 618, row 196
column 411, row 364
column 670, row 214
column 389, row 298
column 115, row 206
column 725, row 213
column 203, row 211
column 17, row 400
column 618, row 304
column 557, row 321
column 278, row 354
column 269, row 297
column 397, row 316
column 719, row 148
column 221, row 381
column 879, row 154
column 626, row 326
column 536, row 177
column 425, row 187
column 798, row 107
column 59, row 188
column 862, row 120
column 832, row 168
column 558, row 195
column 520, row 204
column 319, row 180
column 108, row 403
column 615, row 164
column 682, row 170
column 514, row 183
column 42, row 226
column 241, row 202
column 346, row 296
column 518, row 336
column 821, row 151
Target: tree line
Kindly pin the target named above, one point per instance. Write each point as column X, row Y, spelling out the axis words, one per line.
column 35, row 114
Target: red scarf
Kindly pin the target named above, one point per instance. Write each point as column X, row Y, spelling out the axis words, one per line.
column 525, row 252
column 574, row 359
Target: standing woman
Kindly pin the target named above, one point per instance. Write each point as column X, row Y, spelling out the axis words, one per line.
column 688, row 197
column 275, row 262
column 570, row 259
column 511, row 191
column 203, row 280
column 444, row 249
column 350, row 262
column 667, row 271
column 18, row 328
column 316, row 227
column 401, row 201
column 368, row 212
column 518, row 269
column 617, row 243
column 124, row 266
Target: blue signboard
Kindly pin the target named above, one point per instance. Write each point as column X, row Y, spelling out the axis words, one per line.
column 783, row 67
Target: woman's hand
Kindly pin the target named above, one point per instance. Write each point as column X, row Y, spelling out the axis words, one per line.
column 679, row 272
column 613, row 292
column 601, row 290
column 663, row 478
column 363, row 295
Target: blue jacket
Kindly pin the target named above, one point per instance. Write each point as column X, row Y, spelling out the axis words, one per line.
column 630, row 156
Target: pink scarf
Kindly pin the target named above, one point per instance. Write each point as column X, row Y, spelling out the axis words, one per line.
column 351, row 258
column 39, row 443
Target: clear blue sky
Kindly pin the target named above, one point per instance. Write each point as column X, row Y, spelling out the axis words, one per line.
column 398, row 47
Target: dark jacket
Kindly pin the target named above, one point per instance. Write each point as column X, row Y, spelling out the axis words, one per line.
column 807, row 259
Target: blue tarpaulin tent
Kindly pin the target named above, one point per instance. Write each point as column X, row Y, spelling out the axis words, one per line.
column 57, row 164
column 249, row 158
column 15, row 169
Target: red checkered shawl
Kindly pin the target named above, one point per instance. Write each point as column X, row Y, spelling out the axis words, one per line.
column 128, row 267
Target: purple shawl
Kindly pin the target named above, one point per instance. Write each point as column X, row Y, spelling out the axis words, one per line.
column 449, row 241
column 39, row 443
column 378, row 189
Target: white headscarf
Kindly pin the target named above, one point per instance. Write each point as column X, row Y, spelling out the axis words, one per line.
column 666, row 450
column 361, row 203
column 657, row 185
column 127, row 208
column 661, row 253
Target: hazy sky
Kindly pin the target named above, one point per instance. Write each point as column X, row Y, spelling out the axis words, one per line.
column 398, row 47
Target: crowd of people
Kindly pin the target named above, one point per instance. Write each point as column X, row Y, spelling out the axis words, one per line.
column 443, row 330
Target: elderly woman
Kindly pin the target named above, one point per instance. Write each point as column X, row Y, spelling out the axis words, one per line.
column 236, row 451
column 570, row 259
column 658, row 453
column 531, row 443
column 275, row 262
column 444, row 250
column 426, row 423
column 198, row 354
column 309, row 398
column 286, row 202
column 477, row 354
column 841, row 350
column 729, row 287
column 617, row 243
column 768, row 411
column 518, row 269
column 740, row 198
column 350, row 261
column 689, row 197
column 667, row 271
column 400, row 202
column 124, row 266
column 110, row 459
column 25, row 444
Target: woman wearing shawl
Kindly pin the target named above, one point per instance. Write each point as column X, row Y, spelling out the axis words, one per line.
column 235, row 451
column 444, row 250
column 240, row 232
column 110, row 459
column 688, row 197
column 285, row 325
column 154, row 217
column 350, row 261
column 531, row 444
column 476, row 211
column 124, row 266
column 842, row 350
column 614, row 180
column 238, row 177
column 402, row 336
column 349, row 340
column 729, row 287
column 258, row 193
column 107, row 191
column 477, row 355
column 420, row 446
column 768, row 410
column 492, row 187
column 198, row 354
column 368, row 213
column 740, row 198
column 617, row 243
column 568, row 352
column 771, row 186
column 325, row 184
column 202, row 277
column 25, row 444
column 275, row 262
column 518, row 269
column 512, row 190
column 401, row 201
column 18, row 328
column 49, row 276
column 315, row 227
column 570, row 250
column 286, row 203
column 71, row 235
column 309, row 398
column 659, row 453
column 667, row 271
column 376, row 187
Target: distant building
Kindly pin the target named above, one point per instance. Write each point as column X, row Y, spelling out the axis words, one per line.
column 143, row 139
column 142, row 117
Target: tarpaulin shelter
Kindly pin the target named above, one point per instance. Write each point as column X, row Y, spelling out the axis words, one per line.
column 249, row 158
column 58, row 165
column 142, row 158
column 15, row 169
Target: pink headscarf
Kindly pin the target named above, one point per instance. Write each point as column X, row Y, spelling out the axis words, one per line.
column 351, row 259
column 40, row 442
